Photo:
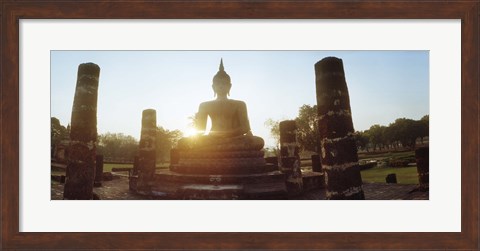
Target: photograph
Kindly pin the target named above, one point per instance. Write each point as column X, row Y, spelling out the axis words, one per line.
column 240, row 125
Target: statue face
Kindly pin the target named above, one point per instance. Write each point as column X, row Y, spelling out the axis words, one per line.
column 221, row 89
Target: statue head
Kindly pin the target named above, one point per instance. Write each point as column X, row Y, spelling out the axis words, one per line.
column 221, row 82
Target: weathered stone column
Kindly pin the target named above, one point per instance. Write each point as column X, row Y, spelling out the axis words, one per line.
column 422, row 159
column 135, row 165
column 83, row 135
column 338, row 149
column 98, row 171
column 147, row 151
column 316, row 164
column 289, row 157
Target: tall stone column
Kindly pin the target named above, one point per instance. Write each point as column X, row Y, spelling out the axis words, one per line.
column 316, row 164
column 290, row 158
column 338, row 149
column 422, row 159
column 135, row 165
column 83, row 135
column 147, row 151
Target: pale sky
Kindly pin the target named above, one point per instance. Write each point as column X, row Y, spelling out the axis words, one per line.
column 383, row 85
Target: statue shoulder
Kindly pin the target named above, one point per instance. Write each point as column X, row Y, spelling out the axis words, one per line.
column 206, row 104
column 239, row 102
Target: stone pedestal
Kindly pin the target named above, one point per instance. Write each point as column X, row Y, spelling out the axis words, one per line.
column 290, row 158
column 422, row 159
column 147, row 151
column 83, row 135
column 173, row 185
column 215, row 174
column 338, row 150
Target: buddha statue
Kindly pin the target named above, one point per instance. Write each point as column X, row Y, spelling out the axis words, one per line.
column 230, row 146
column 230, row 130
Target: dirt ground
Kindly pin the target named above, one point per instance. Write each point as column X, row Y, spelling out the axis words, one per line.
column 117, row 189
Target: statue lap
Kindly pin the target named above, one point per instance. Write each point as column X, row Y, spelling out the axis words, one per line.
column 221, row 144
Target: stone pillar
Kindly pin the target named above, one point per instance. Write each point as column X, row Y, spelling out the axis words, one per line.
column 338, row 149
column 289, row 157
column 316, row 164
column 83, row 135
column 98, row 171
column 147, row 151
column 421, row 156
column 135, row 165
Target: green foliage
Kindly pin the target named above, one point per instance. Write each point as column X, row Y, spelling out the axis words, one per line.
column 407, row 175
column 399, row 161
column 377, row 136
column 403, row 132
column 274, row 126
column 165, row 141
column 117, row 147
column 107, row 167
column 361, row 139
column 58, row 133
column 307, row 128
column 406, row 131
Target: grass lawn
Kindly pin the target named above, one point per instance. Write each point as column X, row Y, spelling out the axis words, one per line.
column 107, row 167
column 405, row 175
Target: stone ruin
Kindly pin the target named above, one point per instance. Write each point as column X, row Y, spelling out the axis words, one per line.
column 229, row 162
column 339, row 157
column 80, row 174
column 422, row 159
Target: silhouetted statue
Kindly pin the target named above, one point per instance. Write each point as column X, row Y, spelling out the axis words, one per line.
column 230, row 146
column 230, row 129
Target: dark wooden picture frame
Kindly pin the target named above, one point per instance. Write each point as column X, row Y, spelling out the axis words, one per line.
column 12, row 11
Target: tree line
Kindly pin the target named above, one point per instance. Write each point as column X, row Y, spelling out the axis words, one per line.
column 402, row 132
column 118, row 146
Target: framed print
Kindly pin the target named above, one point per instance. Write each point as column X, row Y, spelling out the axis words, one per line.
column 32, row 31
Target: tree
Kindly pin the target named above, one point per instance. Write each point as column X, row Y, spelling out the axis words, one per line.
column 424, row 127
column 307, row 128
column 403, row 131
column 57, row 133
column 362, row 140
column 376, row 135
column 117, row 146
column 274, row 126
column 406, row 131
column 165, row 141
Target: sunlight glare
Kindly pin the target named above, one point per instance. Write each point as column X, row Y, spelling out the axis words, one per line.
column 190, row 131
